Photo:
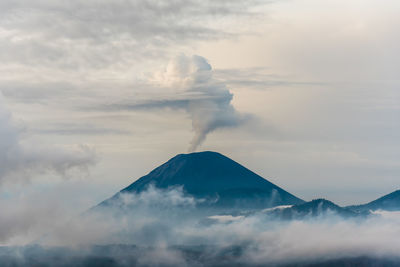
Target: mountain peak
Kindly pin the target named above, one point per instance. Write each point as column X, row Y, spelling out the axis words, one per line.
column 211, row 175
column 199, row 158
column 207, row 153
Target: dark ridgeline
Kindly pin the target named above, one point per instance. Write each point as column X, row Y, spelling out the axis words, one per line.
column 131, row 255
column 226, row 185
column 389, row 202
column 312, row 209
column 223, row 182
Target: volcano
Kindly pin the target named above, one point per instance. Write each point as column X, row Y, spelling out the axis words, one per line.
column 216, row 179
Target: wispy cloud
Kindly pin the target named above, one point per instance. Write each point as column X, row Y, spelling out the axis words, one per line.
column 188, row 84
column 20, row 161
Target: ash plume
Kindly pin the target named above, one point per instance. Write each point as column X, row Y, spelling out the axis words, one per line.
column 207, row 101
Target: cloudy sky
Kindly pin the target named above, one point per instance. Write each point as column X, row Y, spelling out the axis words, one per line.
column 95, row 94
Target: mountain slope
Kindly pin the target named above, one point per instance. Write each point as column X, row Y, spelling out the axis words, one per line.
column 221, row 181
column 389, row 202
column 314, row 208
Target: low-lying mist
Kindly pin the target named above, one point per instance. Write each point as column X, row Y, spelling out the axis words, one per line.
column 167, row 227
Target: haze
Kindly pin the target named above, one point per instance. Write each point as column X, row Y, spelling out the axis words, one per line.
column 95, row 94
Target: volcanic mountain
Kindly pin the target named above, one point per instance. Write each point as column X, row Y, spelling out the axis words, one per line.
column 389, row 202
column 219, row 181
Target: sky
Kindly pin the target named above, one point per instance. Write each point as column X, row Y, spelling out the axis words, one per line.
column 95, row 94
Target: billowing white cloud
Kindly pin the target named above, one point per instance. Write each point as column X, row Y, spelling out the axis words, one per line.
column 207, row 101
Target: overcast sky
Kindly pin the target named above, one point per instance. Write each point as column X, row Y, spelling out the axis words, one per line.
column 95, row 94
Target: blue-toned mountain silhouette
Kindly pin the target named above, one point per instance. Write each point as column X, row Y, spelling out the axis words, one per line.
column 311, row 209
column 220, row 181
column 389, row 202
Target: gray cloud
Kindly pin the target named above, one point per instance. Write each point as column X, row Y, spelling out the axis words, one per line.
column 78, row 129
column 188, row 84
column 64, row 55
column 144, row 225
column 165, row 220
column 20, row 160
column 99, row 33
column 258, row 78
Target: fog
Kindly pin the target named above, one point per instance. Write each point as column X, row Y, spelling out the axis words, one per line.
column 167, row 227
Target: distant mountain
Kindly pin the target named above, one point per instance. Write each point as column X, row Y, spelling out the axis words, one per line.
column 222, row 182
column 390, row 202
column 314, row 208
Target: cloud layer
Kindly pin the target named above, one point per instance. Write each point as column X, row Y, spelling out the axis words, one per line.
column 163, row 224
column 188, row 84
column 20, row 161
column 97, row 33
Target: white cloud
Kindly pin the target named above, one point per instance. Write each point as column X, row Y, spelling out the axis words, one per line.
column 146, row 221
column 206, row 100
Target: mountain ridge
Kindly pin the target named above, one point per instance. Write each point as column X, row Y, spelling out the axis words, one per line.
column 212, row 175
column 315, row 208
column 388, row 202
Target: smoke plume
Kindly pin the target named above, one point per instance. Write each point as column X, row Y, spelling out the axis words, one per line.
column 207, row 101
